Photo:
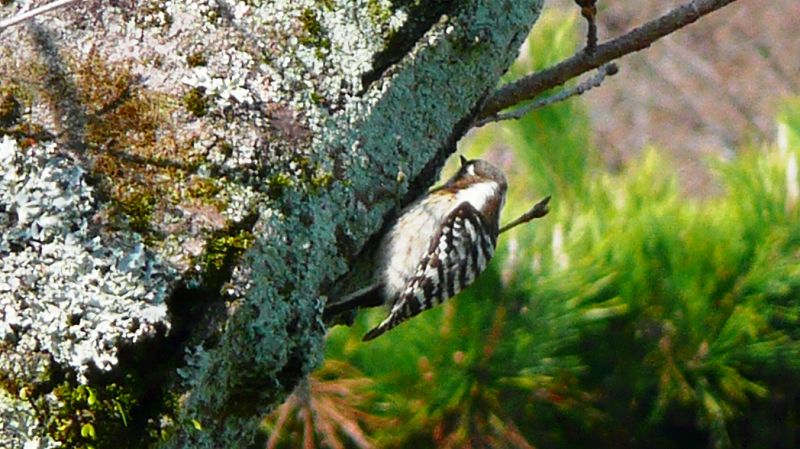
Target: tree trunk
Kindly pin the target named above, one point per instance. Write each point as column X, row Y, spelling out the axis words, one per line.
column 182, row 184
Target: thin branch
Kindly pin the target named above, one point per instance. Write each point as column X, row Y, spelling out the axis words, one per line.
column 33, row 13
column 591, row 34
column 589, row 12
column 539, row 210
column 640, row 38
column 609, row 69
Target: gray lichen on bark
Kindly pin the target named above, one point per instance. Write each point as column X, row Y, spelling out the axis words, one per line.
column 235, row 157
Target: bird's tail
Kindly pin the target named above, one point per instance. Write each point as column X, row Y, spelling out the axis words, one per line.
column 369, row 296
column 385, row 325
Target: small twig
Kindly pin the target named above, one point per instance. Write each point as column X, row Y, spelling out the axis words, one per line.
column 591, row 37
column 640, row 38
column 33, row 13
column 539, row 210
column 609, row 69
column 589, row 12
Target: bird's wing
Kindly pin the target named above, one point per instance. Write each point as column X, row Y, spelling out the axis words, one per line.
column 457, row 254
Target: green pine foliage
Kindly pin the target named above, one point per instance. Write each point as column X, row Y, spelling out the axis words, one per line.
column 631, row 316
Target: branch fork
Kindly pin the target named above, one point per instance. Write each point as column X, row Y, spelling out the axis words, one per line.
column 594, row 57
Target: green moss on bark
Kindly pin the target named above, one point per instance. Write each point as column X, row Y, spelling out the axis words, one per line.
column 196, row 102
column 222, row 251
column 99, row 417
column 314, row 34
column 10, row 107
column 197, row 59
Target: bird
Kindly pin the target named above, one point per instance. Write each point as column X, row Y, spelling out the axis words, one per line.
column 438, row 245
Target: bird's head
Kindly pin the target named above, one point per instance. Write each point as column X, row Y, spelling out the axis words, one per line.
column 473, row 171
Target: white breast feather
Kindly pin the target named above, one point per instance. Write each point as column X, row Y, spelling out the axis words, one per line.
column 409, row 239
column 478, row 194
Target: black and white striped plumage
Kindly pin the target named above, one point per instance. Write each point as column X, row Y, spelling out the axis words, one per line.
column 438, row 246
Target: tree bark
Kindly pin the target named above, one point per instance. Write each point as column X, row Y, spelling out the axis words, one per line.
column 182, row 184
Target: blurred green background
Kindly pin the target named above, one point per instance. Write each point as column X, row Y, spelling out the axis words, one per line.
column 634, row 315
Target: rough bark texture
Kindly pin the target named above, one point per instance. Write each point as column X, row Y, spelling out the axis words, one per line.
column 182, row 183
